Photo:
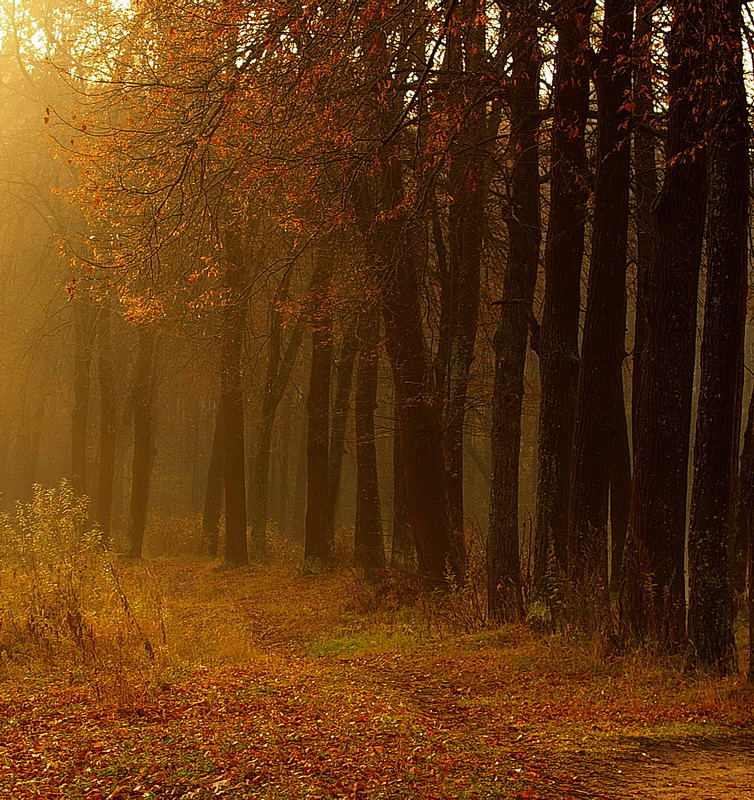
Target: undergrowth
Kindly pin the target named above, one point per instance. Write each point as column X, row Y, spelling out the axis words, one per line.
column 64, row 604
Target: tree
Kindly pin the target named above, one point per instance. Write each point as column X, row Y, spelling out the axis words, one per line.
column 318, row 543
column 600, row 387
column 523, row 222
column 558, row 347
column 231, row 402
column 143, row 396
column 108, row 416
column 653, row 594
column 369, row 549
column 280, row 359
column 710, row 617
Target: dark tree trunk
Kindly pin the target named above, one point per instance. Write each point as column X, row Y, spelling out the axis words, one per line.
column 298, row 512
column 231, row 404
column 751, row 605
column 710, row 618
column 344, row 367
column 108, row 414
column 744, row 505
column 318, row 543
column 603, row 344
column 143, row 391
column 279, row 365
column 84, row 324
column 213, row 495
column 402, row 551
column 645, row 181
column 392, row 240
column 655, row 557
column 505, row 598
column 620, row 484
column 438, row 549
column 388, row 227
column 281, row 508
column 369, row 549
column 559, row 336
column 467, row 184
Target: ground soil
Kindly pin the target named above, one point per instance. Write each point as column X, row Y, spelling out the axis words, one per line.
column 275, row 685
column 716, row 768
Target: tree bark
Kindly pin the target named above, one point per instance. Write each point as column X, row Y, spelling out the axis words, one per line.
column 318, row 543
column 603, row 344
column 710, row 618
column 744, row 505
column 467, row 183
column 84, row 323
column 281, row 506
column 279, row 365
column 231, row 403
column 620, row 484
column 564, row 248
column 143, row 457
column 645, row 181
column 402, row 551
column 505, row 599
column 298, row 512
column 344, row 368
column 653, row 601
column 369, row 548
column 108, row 415
column 213, row 495
column 388, row 227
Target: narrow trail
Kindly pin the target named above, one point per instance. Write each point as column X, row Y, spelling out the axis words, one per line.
column 287, row 692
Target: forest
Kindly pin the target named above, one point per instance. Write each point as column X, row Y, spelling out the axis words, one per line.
column 376, row 413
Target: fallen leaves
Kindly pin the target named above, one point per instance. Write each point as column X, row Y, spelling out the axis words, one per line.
column 439, row 718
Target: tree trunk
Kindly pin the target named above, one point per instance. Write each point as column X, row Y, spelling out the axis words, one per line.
column 559, row 336
column 744, row 505
column 655, row 557
column 369, row 549
column 231, row 403
column 467, row 185
column 108, row 414
column 645, row 181
column 84, row 327
column 213, row 496
column 751, row 604
column 620, row 484
column 505, row 598
column 402, row 551
column 344, row 368
column 281, row 507
column 279, row 365
column 710, row 618
column 603, row 344
column 392, row 241
column 318, row 544
column 143, row 391
column 298, row 512
column 388, row 226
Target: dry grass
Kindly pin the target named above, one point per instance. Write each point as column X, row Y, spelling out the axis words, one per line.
column 264, row 682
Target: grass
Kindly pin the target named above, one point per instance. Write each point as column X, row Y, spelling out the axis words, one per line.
column 266, row 683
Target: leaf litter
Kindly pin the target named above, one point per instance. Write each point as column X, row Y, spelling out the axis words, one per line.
column 319, row 701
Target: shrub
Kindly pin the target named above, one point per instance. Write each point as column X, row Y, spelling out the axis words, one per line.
column 62, row 603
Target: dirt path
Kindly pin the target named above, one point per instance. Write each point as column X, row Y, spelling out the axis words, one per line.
column 718, row 768
column 286, row 692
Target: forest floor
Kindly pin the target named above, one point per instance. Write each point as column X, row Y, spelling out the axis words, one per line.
column 270, row 684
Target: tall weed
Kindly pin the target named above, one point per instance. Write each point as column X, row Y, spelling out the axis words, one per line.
column 63, row 604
